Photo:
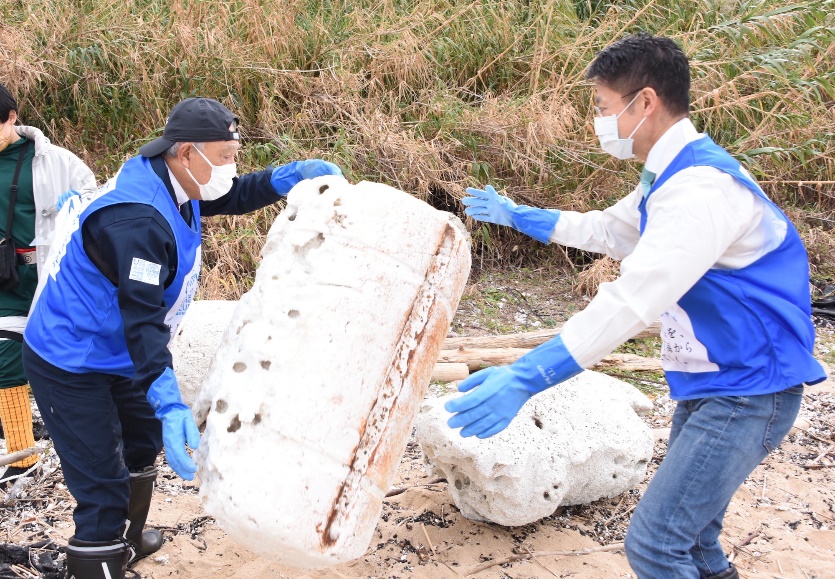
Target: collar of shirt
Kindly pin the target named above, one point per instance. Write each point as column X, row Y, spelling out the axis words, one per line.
column 670, row 145
column 178, row 189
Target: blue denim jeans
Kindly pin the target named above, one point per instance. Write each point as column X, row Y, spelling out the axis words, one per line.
column 715, row 443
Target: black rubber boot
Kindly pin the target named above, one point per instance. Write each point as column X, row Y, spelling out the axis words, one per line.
column 146, row 541
column 96, row 559
column 729, row 573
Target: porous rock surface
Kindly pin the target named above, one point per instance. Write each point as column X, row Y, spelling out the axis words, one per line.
column 571, row 444
column 310, row 399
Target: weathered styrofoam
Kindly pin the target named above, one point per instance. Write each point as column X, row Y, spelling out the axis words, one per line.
column 195, row 343
column 311, row 396
column 571, row 444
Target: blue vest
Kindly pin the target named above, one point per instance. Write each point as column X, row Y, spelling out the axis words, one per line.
column 76, row 324
column 739, row 332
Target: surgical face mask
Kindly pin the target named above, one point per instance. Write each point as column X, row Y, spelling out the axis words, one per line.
column 219, row 183
column 606, row 129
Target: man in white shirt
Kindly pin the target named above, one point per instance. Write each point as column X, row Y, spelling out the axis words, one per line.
column 704, row 250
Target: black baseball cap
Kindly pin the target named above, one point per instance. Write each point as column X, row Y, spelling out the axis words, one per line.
column 194, row 120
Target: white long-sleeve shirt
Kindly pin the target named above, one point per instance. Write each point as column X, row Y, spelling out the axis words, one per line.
column 700, row 219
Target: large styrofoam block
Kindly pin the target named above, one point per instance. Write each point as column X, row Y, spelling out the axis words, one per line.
column 195, row 343
column 310, row 399
column 571, row 444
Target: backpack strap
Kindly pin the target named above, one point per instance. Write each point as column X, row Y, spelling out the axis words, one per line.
column 13, row 188
column 9, row 335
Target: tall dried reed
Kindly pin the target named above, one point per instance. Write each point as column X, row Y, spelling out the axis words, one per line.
column 430, row 96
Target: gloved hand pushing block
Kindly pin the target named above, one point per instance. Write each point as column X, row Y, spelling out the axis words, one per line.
column 178, row 427
column 288, row 176
column 487, row 205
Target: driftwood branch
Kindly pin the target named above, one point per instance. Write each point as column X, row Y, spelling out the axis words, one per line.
column 535, row 554
column 630, row 363
column 479, row 358
column 476, row 359
column 447, row 372
column 19, row 455
column 527, row 339
column 394, row 491
column 460, row 356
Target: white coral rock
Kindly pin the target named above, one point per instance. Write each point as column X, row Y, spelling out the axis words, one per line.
column 571, row 444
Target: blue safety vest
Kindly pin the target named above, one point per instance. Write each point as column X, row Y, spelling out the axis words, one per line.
column 76, row 324
column 745, row 331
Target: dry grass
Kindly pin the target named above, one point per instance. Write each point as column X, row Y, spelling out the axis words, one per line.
column 430, row 96
column 603, row 270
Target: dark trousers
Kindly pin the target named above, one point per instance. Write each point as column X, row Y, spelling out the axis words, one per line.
column 103, row 428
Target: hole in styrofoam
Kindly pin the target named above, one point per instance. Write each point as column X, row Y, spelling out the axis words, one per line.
column 337, row 202
column 242, row 326
column 221, row 406
column 256, row 420
column 235, row 425
column 546, row 495
column 291, row 217
column 537, row 422
column 293, row 313
column 312, row 243
column 265, row 364
column 239, row 367
column 322, row 189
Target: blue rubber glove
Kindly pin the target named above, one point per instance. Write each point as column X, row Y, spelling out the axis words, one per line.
column 497, row 394
column 488, row 205
column 178, row 427
column 316, row 168
column 64, row 197
column 287, row 176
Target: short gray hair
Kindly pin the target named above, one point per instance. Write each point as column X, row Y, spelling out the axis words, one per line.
column 175, row 148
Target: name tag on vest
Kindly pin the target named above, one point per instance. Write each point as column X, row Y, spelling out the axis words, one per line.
column 144, row 271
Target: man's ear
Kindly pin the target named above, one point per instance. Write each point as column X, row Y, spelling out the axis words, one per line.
column 13, row 117
column 648, row 101
column 184, row 154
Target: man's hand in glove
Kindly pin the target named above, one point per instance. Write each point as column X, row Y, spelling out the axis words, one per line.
column 287, row 176
column 178, row 427
column 487, row 205
column 495, row 395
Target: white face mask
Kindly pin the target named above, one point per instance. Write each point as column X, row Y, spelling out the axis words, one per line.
column 606, row 129
column 219, row 183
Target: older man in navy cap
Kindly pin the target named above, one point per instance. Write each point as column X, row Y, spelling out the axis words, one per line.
column 96, row 347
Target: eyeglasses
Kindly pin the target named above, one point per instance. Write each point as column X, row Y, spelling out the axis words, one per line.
column 599, row 110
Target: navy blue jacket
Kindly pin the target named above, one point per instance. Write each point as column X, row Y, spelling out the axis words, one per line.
column 111, row 236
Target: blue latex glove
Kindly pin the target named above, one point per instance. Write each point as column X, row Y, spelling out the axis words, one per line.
column 488, row 205
column 178, row 427
column 64, row 197
column 287, row 176
column 497, row 394
column 316, row 168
